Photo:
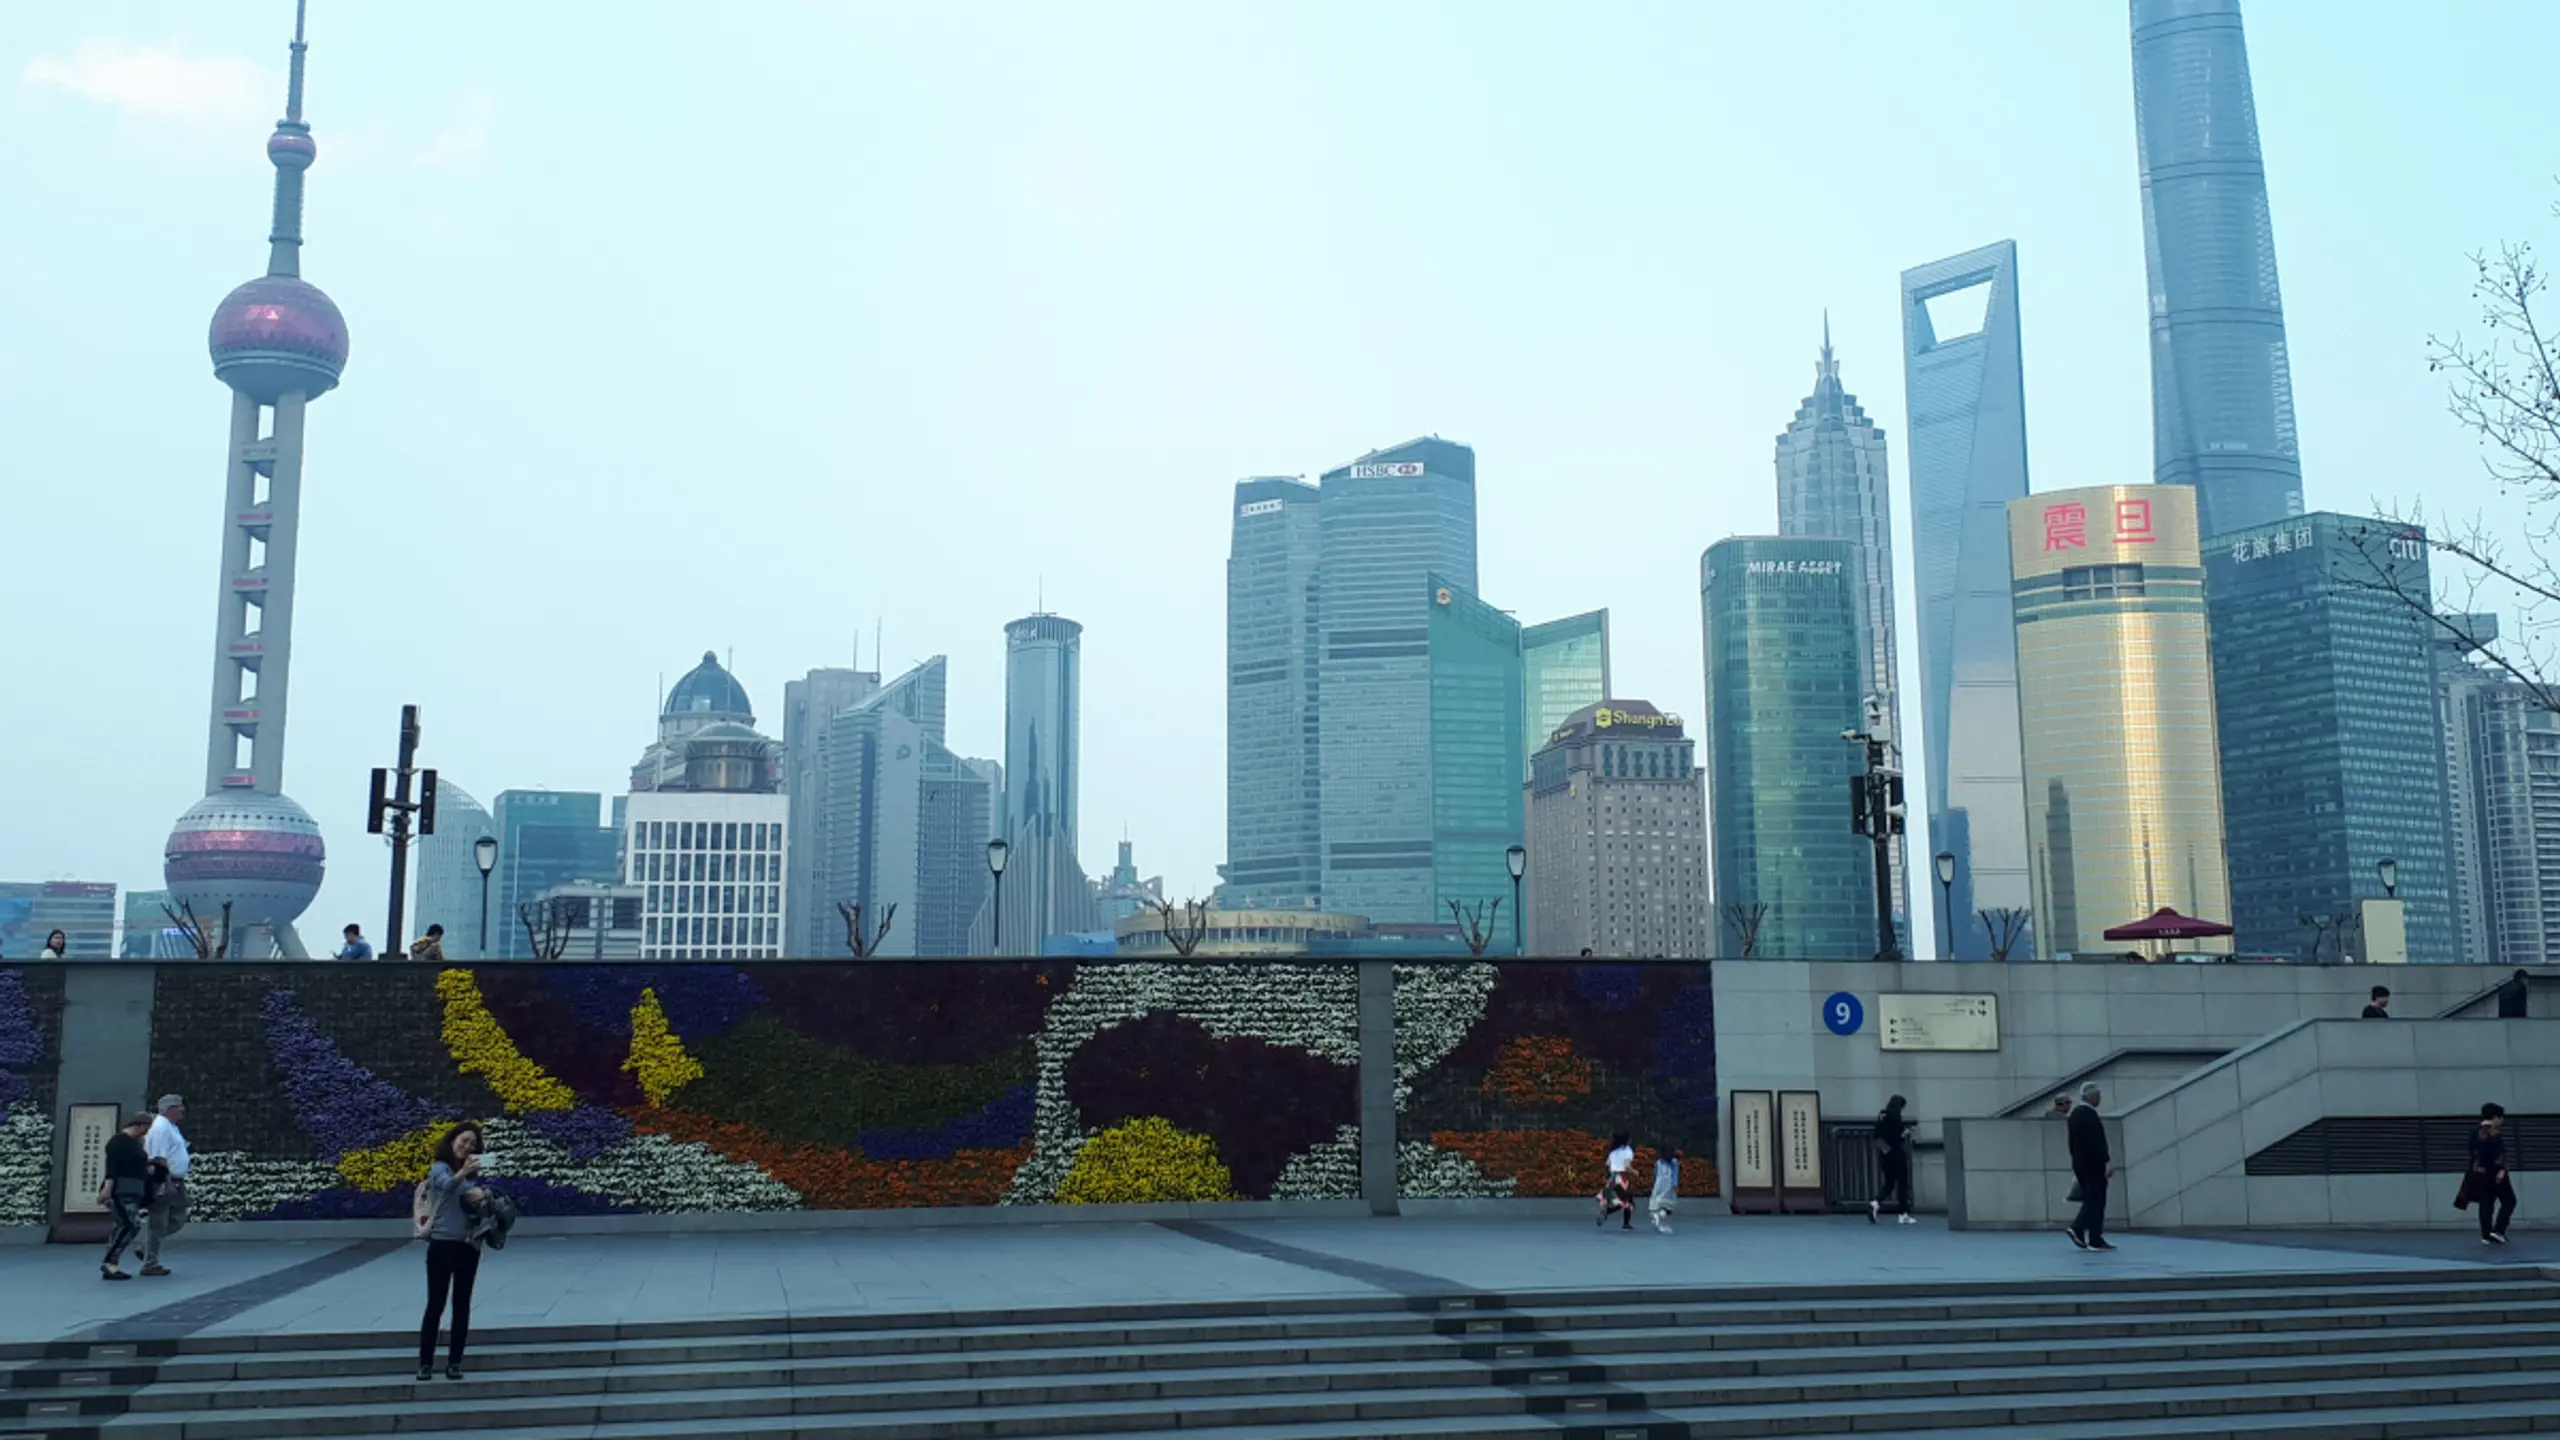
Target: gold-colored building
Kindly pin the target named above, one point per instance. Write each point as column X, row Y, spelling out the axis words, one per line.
column 2115, row 703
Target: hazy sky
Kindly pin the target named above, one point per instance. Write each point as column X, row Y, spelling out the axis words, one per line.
column 674, row 330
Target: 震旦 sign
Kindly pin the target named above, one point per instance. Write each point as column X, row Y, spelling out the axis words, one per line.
column 1259, row 507
column 1389, row 470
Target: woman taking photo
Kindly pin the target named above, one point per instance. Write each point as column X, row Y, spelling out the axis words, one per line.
column 453, row 1259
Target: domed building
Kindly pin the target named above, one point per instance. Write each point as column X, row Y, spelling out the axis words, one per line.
column 705, row 829
column 707, row 695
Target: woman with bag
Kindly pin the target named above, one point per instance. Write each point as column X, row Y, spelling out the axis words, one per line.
column 126, row 1190
column 1893, row 1162
column 441, row 1211
column 2487, row 1184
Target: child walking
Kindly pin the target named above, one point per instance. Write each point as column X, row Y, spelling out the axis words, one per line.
column 1666, row 1186
column 1616, row 1198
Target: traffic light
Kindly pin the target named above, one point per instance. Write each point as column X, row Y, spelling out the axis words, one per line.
column 427, row 802
column 374, row 808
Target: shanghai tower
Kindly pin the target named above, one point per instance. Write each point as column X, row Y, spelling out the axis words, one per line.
column 2221, row 386
column 247, row 854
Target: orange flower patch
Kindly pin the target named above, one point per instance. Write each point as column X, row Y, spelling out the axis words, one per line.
column 844, row 1179
column 1563, row 1162
column 1538, row 1070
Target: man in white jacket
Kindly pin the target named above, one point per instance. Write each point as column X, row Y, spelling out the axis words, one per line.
column 166, row 1145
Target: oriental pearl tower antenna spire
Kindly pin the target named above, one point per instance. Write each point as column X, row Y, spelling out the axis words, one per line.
column 279, row 343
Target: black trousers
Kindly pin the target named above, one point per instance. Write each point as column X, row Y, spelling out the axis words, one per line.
column 2500, row 1198
column 1895, row 1188
column 128, row 1224
column 451, row 1267
column 2092, row 1223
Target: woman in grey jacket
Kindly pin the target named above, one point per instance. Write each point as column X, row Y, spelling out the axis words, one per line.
column 453, row 1260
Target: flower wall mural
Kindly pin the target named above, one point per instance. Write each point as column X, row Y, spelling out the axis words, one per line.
column 1512, row 1078
column 30, row 1029
column 318, row 1091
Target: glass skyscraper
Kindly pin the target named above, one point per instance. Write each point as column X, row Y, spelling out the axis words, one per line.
column 2331, row 752
column 1968, row 417
column 1388, row 523
column 1044, row 891
column 546, row 838
column 1565, row 666
column 2221, row 384
column 2115, row 695
column 1783, row 658
column 449, row 888
column 1274, row 782
column 1475, row 748
column 885, row 790
column 1833, row 483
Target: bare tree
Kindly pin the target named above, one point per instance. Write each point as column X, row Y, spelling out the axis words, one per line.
column 1745, row 921
column 1183, row 924
column 546, row 927
column 2504, row 388
column 1476, row 922
column 207, row 945
column 2008, row 926
column 864, row 945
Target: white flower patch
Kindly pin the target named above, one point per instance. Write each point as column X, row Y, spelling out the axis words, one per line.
column 1424, row 1171
column 654, row 1173
column 1330, row 1171
column 1314, row 1008
column 26, row 1165
column 1436, row 1005
column 234, row 1184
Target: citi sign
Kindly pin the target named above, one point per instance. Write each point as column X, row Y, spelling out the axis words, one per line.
column 1397, row 470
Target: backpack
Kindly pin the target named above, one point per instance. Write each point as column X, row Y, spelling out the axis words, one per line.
column 422, row 1210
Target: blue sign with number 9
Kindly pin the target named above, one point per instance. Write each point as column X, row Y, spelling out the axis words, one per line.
column 1843, row 1013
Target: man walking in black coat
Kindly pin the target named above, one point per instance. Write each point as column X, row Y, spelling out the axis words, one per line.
column 2092, row 1164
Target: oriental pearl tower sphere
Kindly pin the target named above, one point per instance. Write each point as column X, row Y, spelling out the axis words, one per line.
column 279, row 343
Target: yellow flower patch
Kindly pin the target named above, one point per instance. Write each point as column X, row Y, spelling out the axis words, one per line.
column 393, row 1162
column 658, row 1057
column 1146, row 1159
column 479, row 1045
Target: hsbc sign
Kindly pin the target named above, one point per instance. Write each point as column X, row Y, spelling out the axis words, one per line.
column 1398, row 470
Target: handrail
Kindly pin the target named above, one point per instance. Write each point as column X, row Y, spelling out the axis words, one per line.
column 2065, row 1084
column 2463, row 1007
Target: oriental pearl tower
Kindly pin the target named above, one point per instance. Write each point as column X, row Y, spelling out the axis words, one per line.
column 279, row 343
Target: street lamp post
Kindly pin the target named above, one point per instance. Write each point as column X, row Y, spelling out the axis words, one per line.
column 997, row 853
column 484, row 853
column 1518, row 859
column 2389, row 871
column 1876, row 812
column 1947, row 899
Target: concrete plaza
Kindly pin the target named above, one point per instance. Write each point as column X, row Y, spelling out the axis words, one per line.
column 372, row 1287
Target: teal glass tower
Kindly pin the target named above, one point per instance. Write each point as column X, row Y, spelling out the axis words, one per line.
column 1784, row 659
column 1476, row 743
column 1388, row 523
column 2332, row 748
column 1565, row 665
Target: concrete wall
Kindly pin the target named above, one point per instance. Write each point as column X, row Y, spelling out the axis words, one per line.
column 2182, row 1154
column 2054, row 1021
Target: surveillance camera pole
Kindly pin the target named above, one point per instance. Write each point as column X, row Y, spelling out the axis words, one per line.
column 391, row 811
column 1878, row 814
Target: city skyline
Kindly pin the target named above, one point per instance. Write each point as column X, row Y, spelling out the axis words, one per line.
column 439, row 537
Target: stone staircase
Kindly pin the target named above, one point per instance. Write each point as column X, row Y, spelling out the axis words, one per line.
column 2452, row 1352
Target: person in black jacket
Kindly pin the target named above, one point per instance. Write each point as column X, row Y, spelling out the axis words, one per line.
column 2515, row 998
column 126, row 1190
column 1893, row 1163
column 2487, row 1185
column 2092, row 1165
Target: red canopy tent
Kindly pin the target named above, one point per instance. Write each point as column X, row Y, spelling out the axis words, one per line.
column 2167, row 924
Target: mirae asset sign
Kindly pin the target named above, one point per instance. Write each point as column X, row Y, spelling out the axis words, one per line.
column 1400, row 469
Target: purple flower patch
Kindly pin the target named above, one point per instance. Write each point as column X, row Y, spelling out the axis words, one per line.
column 700, row 1000
column 20, row 1044
column 585, row 1132
column 341, row 1105
column 1609, row 988
column 1000, row 1124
